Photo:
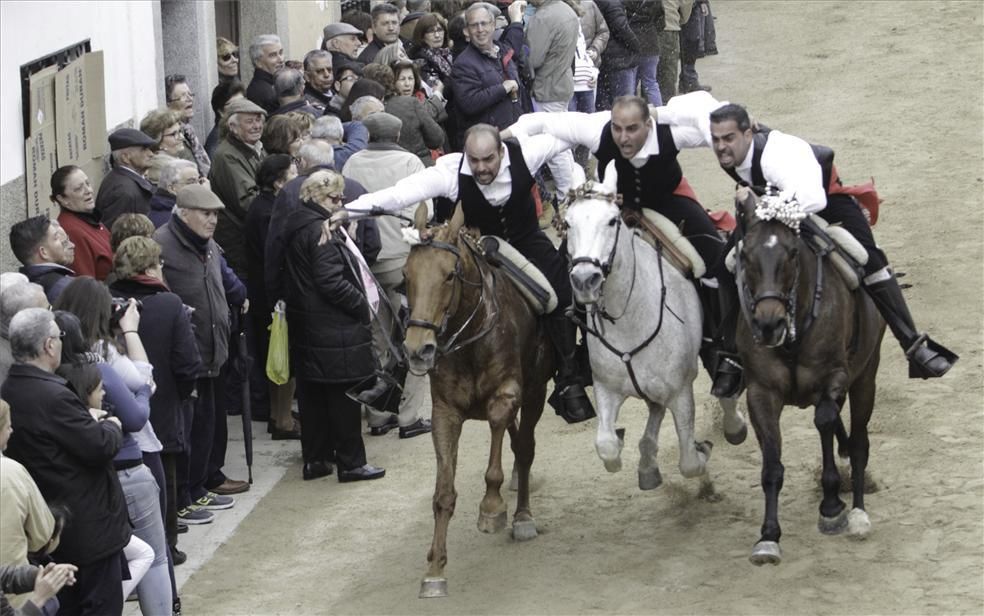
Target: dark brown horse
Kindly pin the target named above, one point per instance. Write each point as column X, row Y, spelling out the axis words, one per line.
column 807, row 340
column 488, row 358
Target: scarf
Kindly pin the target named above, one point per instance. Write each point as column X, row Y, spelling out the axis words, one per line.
column 368, row 281
column 200, row 243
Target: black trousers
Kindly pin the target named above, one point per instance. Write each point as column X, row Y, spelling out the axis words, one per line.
column 97, row 591
column 538, row 248
column 695, row 225
column 202, row 437
column 842, row 209
column 332, row 424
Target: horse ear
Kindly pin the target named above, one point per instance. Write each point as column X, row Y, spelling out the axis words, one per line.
column 457, row 221
column 420, row 217
column 745, row 202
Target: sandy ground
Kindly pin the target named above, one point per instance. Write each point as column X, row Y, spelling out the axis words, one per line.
column 895, row 88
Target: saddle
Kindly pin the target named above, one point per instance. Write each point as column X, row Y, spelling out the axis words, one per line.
column 676, row 248
column 848, row 256
column 529, row 280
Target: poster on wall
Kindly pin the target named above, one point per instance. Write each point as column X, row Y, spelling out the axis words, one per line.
column 67, row 126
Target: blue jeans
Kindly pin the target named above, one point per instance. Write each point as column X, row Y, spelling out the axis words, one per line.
column 144, row 508
column 583, row 102
column 647, row 75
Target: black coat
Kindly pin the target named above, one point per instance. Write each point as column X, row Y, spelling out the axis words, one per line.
column 288, row 200
column 166, row 332
column 262, row 91
column 646, row 20
column 255, row 232
column 623, row 45
column 328, row 316
column 70, row 456
column 122, row 192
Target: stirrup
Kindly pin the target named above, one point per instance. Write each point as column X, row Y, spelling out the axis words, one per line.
column 572, row 404
column 928, row 359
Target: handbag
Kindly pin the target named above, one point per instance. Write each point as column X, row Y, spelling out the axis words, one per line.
column 278, row 355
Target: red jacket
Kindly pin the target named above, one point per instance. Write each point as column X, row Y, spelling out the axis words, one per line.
column 93, row 252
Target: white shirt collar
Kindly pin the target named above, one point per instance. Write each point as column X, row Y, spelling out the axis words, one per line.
column 650, row 148
column 744, row 170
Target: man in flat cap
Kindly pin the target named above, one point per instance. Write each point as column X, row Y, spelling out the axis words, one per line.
column 194, row 270
column 381, row 165
column 125, row 190
column 342, row 41
column 233, row 176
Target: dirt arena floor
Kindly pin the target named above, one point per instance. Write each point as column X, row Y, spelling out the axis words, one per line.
column 896, row 89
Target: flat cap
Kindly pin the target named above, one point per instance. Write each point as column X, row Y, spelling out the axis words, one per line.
column 383, row 125
column 243, row 105
column 198, row 197
column 333, row 30
column 128, row 138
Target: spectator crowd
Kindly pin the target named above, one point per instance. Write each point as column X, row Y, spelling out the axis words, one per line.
column 140, row 318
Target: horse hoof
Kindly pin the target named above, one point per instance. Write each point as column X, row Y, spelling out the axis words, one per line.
column 835, row 525
column 650, row 479
column 433, row 588
column 613, row 466
column 524, row 530
column 737, row 438
column 491, row 523
column 766, row 553
column 858, row 524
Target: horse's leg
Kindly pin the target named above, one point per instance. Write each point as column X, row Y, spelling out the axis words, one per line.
column 764, row 408
column 826, row 417
column 446, row 430
column 501, row 411
column 862, row 404
column 693, row 455
column 607, row 442
column 735, row 428
column 524, row 448
column 649, row 476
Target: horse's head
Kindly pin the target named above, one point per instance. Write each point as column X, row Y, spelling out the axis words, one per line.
column 593, row 224
column 768, row 260
column 433, row 277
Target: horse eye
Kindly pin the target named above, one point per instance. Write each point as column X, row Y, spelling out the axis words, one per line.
column 613, row 221
column 449, row 277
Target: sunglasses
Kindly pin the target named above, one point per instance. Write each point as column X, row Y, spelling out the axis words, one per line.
column 229, row 56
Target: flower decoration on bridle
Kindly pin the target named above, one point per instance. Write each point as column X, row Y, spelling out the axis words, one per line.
column 588, row 190
column 780, row 206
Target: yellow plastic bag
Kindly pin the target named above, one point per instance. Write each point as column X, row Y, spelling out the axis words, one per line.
column 278, row 355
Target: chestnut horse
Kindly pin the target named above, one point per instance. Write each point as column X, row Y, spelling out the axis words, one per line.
column 806, row 339
column 488, row 358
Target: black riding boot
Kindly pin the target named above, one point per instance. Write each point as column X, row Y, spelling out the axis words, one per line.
column 568, row 399
column 727, row 371
column 927, row 359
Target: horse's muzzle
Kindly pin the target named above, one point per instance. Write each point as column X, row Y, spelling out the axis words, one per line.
column 586, row 284
column 420, row 361
column 770, row 332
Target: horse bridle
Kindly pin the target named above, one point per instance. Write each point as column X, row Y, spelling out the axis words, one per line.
column 604, row 266
column 450, row 345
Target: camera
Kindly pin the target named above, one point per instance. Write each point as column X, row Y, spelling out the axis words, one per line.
column 119, row 307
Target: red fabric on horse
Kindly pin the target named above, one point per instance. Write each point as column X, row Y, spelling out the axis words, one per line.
column 865, row 193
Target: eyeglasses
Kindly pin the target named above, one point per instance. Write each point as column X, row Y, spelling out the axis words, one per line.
column 336, row 198
column 229, row 56
column 434, row 30
column 173, row 133
column 480, row 24
column 349, row 78
column 59, row 335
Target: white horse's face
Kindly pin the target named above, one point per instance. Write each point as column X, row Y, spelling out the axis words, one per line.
column 592, row 226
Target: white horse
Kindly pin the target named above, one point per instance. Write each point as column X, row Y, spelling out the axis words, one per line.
column 644, row 324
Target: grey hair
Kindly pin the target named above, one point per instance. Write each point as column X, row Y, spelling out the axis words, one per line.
column 17, row 297
column 359, row 106
column 315, row 54
column 171, row 171
column 28, row 330
column 289, row 82
column 316, row 152
column 493, row 13
column 328, row 128
column 259, row 42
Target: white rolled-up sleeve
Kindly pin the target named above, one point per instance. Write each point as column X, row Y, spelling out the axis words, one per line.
column 572, row 126
column 441, row 180
column 689, row 118
column 789, row 164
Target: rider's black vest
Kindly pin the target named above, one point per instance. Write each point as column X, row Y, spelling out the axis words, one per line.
column 823, row 154
column 649, row 185
column 516, row 218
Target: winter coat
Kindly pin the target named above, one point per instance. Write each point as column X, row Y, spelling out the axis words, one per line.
column 123, row 191
column 476, row 78
column 595, row 29
column 52, row 277
column 167, row 335
column 161, row 206
column 233, row 179
column 420, row 133
column 70, row 456
column 328, row 316
column 93, row 251
column 262, row 90
column 623, row 44
column 646, row 20
column 552, row 37
column 196, row 277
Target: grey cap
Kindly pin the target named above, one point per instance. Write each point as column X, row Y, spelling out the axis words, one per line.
column 333, row 30
column 129, row 138
column 243, row 105
column 383, row 126
column 198, row 197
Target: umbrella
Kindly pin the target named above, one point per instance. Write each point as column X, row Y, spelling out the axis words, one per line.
column 243, row 365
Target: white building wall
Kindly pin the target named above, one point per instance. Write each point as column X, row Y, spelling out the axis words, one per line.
column 29, row 30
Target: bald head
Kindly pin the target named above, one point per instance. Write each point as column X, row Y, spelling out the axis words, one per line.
column 484, row 152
